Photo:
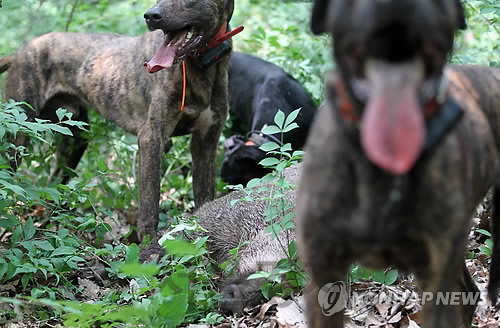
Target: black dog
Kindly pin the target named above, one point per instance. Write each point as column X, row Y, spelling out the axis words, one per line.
column 257, row 89
column 397, row 162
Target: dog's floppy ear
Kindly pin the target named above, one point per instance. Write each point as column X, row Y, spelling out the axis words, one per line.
column 318, row 17
column 460, row 15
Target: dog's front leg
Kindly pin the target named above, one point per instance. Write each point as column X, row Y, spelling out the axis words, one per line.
column 327, row 200
column 150, row 151
column 151, row 138
column 203, row 151
column 204, row 145
column 446, row 285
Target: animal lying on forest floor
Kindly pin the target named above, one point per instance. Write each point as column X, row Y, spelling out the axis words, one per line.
column 228, row 226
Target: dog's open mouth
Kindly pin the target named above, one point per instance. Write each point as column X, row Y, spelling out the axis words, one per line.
column 176, row 46
column 393, row 93
column 430, row 60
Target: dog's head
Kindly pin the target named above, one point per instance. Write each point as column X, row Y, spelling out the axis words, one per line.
column 188, row 25
column 390, row 55
column 241, row 161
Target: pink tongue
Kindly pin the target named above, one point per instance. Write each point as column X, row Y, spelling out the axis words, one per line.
column 163, row 58
column 393, row 128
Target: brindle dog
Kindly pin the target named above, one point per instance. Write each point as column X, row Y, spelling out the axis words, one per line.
column 401, row 156
column 106, row 72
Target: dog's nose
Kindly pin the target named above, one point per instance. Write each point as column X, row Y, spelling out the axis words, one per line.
column 153, row 18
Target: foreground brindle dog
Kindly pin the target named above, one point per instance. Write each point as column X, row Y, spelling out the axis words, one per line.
column 105, row 71
column 401, row 156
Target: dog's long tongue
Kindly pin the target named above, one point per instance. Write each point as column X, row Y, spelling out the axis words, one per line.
column 393, row 127
column 165, row 54
column 163, row 58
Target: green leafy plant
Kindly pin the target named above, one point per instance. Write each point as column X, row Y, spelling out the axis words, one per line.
column 386, row 277
column 230, row 265
column 488, row 243
column 480, row 43
column 280, row 212
column 288, row 273
column 21, row 200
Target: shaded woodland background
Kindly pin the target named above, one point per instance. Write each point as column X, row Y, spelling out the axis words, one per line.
column 62, row 248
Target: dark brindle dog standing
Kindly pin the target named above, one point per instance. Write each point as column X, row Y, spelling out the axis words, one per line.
column 106, row 71
column 400, row 157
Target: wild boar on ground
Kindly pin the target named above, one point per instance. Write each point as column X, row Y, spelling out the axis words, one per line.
column 229, row 226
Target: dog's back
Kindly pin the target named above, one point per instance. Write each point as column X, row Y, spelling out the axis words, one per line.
column 89, row 74
column 5, row 63
column 257, row 89
column 485, row 83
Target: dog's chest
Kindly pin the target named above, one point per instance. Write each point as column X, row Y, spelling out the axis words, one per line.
column 447, row 182
column 195, row 120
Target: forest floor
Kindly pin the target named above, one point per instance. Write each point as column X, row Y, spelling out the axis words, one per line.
column 369, row 304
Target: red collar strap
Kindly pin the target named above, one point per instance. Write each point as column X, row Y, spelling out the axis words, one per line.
column 221, row 36
column 433, row 106
column 430, row 109
column 346, row 108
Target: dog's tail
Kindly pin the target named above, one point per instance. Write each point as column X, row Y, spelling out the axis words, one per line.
column 5, row 63
column 494, row 284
